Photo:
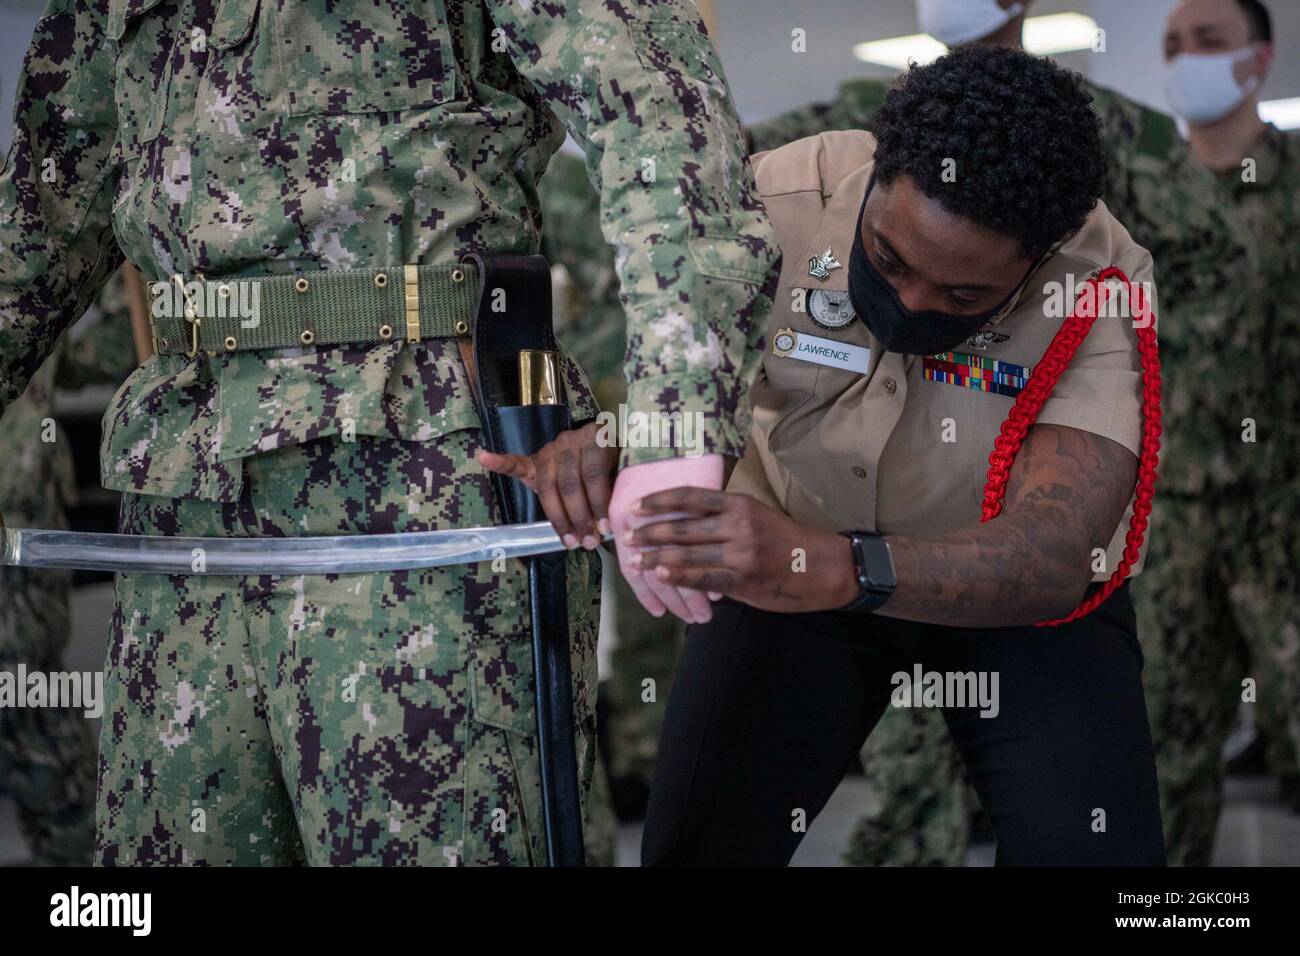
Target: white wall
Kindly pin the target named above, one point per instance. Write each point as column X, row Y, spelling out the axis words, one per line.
column 17, row 18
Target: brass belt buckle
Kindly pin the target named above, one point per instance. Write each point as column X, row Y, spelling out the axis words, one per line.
column 195, row 323
column 191, row 316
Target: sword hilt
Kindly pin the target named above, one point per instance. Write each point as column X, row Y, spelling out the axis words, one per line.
column 539, row 377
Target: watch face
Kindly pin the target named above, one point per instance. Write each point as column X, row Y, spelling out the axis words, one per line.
column 874, row 569
column 877, row 564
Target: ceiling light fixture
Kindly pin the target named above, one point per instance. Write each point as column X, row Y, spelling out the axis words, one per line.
column 1057, row 33
column 1284, row 114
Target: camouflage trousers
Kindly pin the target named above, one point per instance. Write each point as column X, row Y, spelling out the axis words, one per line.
column 918, row 805
column 1217, row 616
column 337, row 719
column 47, row 755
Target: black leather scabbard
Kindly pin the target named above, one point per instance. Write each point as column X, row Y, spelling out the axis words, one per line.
column 514, row 315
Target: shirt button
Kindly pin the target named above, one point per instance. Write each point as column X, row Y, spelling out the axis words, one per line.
column 891, row 386
column 859, row 471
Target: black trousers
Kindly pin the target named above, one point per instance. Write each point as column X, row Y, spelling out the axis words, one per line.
column 768, row 711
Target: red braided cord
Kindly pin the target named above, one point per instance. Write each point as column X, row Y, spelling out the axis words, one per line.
column 1035, row 394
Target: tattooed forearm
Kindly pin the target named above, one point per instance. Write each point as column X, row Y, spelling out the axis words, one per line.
column 1067, row 494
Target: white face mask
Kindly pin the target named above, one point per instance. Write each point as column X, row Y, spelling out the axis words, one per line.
column 1201, row 87
column 954, row 22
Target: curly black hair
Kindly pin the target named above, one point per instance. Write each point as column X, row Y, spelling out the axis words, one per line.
column 1021, row 130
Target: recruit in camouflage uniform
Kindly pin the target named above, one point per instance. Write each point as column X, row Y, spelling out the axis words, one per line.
column 361, row 718
column 918, row 809
column 1264, row 592
column 1225, row 611
column 47, row 756
column 591, row 325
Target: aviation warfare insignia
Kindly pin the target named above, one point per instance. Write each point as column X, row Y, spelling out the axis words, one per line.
column 983, row 339
column 819, row 267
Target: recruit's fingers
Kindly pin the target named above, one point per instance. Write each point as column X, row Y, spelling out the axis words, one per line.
column 573, row 491
column 698, row 604
column 671, row 598
column 635, row 579
column 707, row 556
column 516, row 466
column 648, row 598
column 595, row 475
column 690, row 607
column 556, row 513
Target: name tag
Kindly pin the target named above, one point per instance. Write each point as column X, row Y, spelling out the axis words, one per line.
column 813, row 348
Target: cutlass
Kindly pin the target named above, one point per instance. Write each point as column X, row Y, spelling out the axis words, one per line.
column 341, row 554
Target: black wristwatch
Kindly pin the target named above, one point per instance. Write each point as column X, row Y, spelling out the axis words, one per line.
column 874, row 568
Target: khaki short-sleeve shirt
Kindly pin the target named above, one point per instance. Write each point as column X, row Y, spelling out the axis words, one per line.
column 874, row 440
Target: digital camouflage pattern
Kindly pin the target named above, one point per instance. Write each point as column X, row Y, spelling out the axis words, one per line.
column 47, row 756
column 589, row 317
column 383, row 718
column 1265, row 594
column 854, row 104
column 652, row 111
column 1227, row 611
column 249, row 138
column 917, row 806
column 590, row 323
column 1194, row 663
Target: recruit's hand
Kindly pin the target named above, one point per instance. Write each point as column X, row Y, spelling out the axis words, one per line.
column 571, row 476
column 736, row 545
column 640, row 481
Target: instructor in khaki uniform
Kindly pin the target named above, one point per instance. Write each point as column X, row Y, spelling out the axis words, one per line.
column 912, row 312
column 916, row 810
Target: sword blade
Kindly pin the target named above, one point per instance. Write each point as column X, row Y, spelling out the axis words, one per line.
column 342, row 554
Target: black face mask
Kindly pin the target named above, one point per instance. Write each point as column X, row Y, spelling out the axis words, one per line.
column 896, row 327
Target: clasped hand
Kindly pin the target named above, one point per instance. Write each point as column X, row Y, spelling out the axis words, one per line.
column 681, row 540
